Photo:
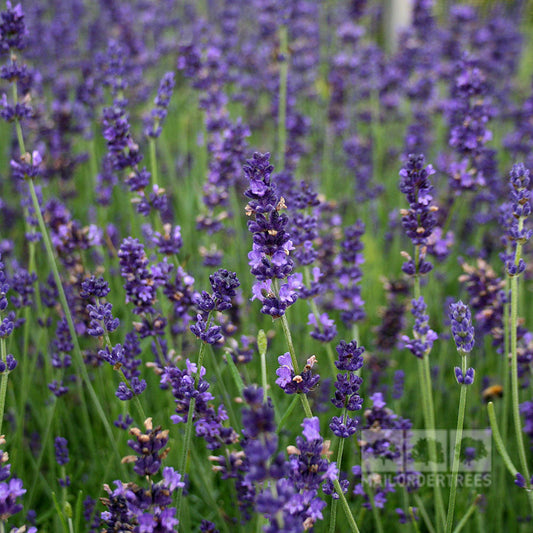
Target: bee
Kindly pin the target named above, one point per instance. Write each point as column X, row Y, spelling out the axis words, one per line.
column 492, row 392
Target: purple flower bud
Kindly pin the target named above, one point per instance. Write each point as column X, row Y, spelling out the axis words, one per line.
column 9, row 365
column 467, row 378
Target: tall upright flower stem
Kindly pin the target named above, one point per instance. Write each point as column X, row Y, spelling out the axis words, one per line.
column 292, row 351
column 514, row 372
column 334, row 502
column 3, row 382
column 463, row 335
column 424, row 374
column 190, row 424
column 282, row 103
column 60, row 289
column 316, row 312
column 309, row 414
column 457, row 450
column 502, row 450
column 518, row 234
column 153, row 160
column 126, row 380
column 72, row 330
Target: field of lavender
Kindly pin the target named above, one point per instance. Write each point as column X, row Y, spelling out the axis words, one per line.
column 265, row 266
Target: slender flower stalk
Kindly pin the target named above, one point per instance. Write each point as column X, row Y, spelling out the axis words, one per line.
column 418, row 222
column 282, row 104
column 66, row 309
column 463, row 334
column 188, row 431
column 518, row 234
column 7, row 361
column 224, row 285
column 292, row 351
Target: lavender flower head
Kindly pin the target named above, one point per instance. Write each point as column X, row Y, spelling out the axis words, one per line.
column 521, row 208
column 269, row 258
column 424, row 337
column 12, row 29
column 61, row 451
column 149, row 447
column 462, row 329
column 158, row 114
column 419, row 220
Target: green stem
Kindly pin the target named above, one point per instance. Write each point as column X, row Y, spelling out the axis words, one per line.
column 424, row 373
column 74, row 337
column 467, row 515
column 334, row 503
column 264, row 377
column 500, row 446
column 346, row 506
column 3, row 382
column 505, row 362
column 441, row 512
column 287, row 332
column 377, row 518
column 287, row 413
column 282, row 104
column 235, row 373
column 189, row 425
column 60, row 513
column 514, row 370
column 424, row 514
column 153, row 160
column 316, row 312
column 126, row 380
column 457, row 449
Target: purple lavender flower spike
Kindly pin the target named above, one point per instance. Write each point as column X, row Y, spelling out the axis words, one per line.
column 517, row 232
column 424, row 337
column 153, row 124
column 399, row 381
column 270, row 255
column 169, row 242
column 208, row 421
column 420, row 219
column 12, row 29
column 224, row 284
column 94, row 287
column 347, row 388
column 324, row 328
column 210, row 335
column 61, row 451
column 462, row 329
column 149, row 447
column 350, row 356
column 520, row 480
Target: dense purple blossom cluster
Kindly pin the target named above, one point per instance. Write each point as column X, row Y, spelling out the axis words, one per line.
column 347, row 388
column 424, row 336
column 145, row 509
column 419, row 220
column 270, row 256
